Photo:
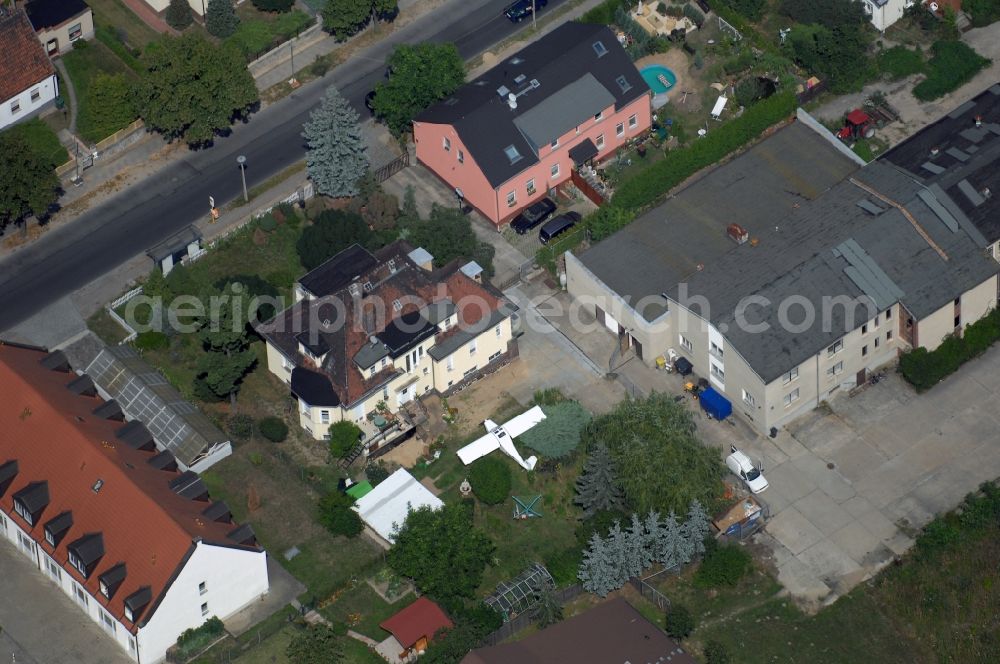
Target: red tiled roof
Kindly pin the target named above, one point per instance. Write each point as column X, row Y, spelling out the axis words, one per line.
column 54, row 436
column 23, row 62
column 421, row 619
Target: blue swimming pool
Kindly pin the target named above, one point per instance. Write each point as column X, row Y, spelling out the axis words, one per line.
column 659, row 78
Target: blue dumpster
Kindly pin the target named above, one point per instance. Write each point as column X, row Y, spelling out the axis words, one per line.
column 715, row 404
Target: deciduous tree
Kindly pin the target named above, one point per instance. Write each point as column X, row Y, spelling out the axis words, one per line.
column 421, row 75
column 28, row 182
column 193, row 89
column 448, row 235
column 548, row 610
column 331, row 232
column 441, row 551
column 220, row 18
column 337, row 155
column 597, row 486
column 226, row 338
column 661, row 464
column 336, row 514
column 343, row 18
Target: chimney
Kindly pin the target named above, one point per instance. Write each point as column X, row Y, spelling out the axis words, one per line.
column 512, row 101
column 979, row 121
column 737, row 233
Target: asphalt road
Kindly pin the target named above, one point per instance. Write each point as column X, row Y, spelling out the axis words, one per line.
column 107, row 236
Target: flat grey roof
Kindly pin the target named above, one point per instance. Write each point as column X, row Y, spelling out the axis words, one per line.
column 825, row 247
column 791, row 167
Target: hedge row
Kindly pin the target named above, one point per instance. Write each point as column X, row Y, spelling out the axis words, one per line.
column 954, row 64
column 924, row 369
column 652, row 185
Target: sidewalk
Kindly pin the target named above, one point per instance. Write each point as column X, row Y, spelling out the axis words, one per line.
column 323, row 43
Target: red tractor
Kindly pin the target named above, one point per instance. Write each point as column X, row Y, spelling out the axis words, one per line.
column 857, row 124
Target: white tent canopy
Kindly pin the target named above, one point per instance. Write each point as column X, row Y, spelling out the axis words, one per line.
column 387, row 505
column 720, row 105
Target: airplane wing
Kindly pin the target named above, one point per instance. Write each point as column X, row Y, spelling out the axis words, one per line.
column 518, row 425
column 478, row 448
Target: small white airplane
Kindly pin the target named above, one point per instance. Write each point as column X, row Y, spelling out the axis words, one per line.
column 500, row 436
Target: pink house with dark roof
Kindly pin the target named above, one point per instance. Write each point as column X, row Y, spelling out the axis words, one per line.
column 504, row 140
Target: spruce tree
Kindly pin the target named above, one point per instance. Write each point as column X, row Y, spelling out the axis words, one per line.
column 337, row 155
column 669, row 549
column 599, row 570
column 597, row 487
column 548, row 610
column 637, row 549
column 697, row 527
column 220, row 18
column 179, row 14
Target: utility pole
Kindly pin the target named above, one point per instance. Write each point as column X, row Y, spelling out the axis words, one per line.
column 242, row 161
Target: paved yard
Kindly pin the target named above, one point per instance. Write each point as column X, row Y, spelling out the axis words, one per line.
column 41, row 621
column 851, row 482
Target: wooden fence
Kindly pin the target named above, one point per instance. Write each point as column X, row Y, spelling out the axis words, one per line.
column 588, row 189
column 386, row 171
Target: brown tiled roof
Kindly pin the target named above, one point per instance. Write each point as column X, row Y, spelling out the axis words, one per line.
column 54, row 437
column 23, row 62
column 612, row 633
column 346, row 338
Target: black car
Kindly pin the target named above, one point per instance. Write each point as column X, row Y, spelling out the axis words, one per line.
column 557, row 226
column 522, row 9
column 533, row 215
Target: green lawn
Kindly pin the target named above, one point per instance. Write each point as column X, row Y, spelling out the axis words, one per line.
column 42, row 139
column 123, row 22
column 362, row 609
column 106, row 327
column 95, row 121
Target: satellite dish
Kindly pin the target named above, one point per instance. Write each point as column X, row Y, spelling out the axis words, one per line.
column 934, row 6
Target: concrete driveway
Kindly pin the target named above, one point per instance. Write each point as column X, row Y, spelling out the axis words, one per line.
column 851, row 483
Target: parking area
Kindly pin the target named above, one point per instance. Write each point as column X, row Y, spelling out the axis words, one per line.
column 853, row 481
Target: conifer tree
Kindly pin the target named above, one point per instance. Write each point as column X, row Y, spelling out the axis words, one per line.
column 178, row 14
column 220, row 18
column 636, row 556
column 697, row 527
column 599, row 570
column 597, row 487
column 337, row 155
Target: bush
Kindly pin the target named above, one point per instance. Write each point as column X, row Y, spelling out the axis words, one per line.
column 336, row 515
column 151, row 340
column 724, row 565
column 273, row 5
column 899, row 62
column 240, row 426
column 924, row 369
column 750, row 9
column 376, row 472
column 716, row 652
column 490, row 479
column 954, row 63
column 679, row 621
column 344, row 437
column 558, row 435
column 983, row 12
column 195, row 639
column 693, row 15
column 178, row 16
column 267, row 223
column 273, row 428
column 564, row 565
column 652, row 185
column 332, row 232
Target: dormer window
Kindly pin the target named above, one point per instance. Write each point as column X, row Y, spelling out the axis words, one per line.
column 111, row 580
column 57, row 528
column 600, row 49
column 136, row 602
column 397, row 305
column 85, row 552
column 31, row 500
